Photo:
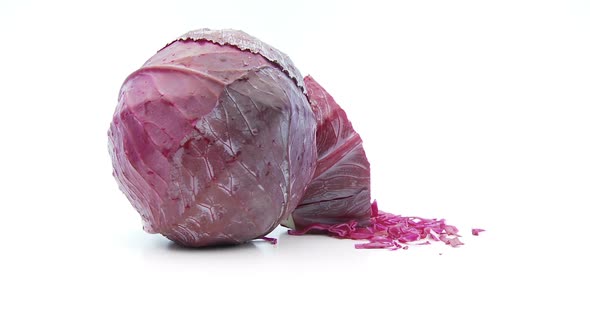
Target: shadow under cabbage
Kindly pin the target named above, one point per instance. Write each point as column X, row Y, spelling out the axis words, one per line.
column 248, row 246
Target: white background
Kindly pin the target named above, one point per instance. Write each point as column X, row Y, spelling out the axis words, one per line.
column 475, row 111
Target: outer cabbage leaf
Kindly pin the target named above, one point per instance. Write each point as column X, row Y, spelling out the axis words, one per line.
column 340, row 189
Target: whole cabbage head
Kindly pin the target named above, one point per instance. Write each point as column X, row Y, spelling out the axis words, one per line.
column 213, row 140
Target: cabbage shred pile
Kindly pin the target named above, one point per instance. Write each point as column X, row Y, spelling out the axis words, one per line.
column 389, row 231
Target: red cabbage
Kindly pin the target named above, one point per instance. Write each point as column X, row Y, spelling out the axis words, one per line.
column 218, row 138
column 213, row 144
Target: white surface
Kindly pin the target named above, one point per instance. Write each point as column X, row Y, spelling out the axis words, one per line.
column 469, row 111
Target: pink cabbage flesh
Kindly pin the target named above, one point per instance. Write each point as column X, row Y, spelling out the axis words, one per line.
column 218, row 138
